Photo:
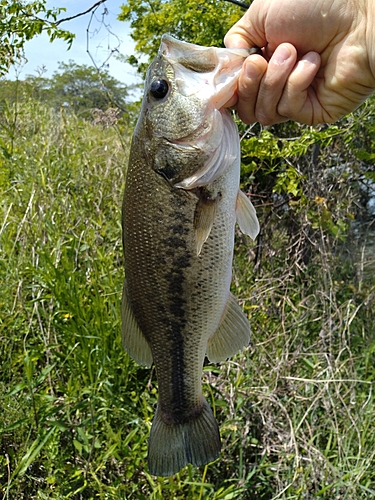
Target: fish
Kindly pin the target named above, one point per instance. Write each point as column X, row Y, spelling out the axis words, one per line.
column 180, row 206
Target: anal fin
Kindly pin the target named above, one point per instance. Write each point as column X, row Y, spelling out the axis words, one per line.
column 232, row 335
column 246, row 216
column 133, row 339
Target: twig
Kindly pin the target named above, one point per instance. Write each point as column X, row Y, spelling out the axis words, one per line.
column 328, row 380
column 98, row 69
column 240, row 4
column 81, row 13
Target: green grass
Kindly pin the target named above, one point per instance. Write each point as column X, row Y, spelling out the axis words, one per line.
column 296, row 409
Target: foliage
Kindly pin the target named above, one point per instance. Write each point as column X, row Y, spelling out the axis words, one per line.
column 296, row 410
column 280, row 162
column 81, row 88
column 78, row 88
column 19, row 22
column 310, row 177
column 203, row 22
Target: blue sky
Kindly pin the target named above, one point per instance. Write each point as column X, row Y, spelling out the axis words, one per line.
column 102, row 41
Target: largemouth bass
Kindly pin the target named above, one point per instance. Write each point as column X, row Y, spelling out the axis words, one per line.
column 180, row 206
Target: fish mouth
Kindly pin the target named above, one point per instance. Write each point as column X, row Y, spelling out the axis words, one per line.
column 209, row 73
column 208, row 76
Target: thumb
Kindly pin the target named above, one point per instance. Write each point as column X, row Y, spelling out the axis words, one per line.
column 248, row 31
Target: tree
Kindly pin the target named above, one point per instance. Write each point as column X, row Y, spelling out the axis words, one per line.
column 79, row 88
column 204, row 22
column 20, row 21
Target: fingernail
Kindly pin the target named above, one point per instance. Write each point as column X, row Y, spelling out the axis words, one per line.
column 252, row 70
column 281, row 55
column 311, row 58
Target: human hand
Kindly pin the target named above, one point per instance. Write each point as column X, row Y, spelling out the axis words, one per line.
column 318, row 64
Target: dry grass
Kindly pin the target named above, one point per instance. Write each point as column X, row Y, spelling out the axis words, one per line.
column 296, row 409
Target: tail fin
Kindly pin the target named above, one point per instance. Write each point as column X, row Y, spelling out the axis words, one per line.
column 172, row 446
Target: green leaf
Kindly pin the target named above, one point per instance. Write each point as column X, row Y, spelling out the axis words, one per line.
column 78, row 446
column 34, row 450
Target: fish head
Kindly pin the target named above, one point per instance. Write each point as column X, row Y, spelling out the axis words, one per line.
column 182, row 117
column 208, row 74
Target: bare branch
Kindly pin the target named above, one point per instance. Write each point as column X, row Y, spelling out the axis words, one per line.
column 243, row 5
column 98, row 69
column 93, row 7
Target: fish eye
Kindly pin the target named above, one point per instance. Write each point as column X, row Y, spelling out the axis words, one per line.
column 159, row 88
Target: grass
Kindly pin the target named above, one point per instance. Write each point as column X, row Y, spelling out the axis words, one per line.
column 296, row 409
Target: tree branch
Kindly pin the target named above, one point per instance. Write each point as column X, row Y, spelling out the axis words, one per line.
column 81, row 13
column 243, row 5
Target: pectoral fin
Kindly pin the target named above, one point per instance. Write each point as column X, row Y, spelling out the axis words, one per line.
column 133, row 339
column 232, row 335
column 246, row 216
column 204, row 219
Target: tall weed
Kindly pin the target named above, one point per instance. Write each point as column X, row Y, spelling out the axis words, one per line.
column 296, row 409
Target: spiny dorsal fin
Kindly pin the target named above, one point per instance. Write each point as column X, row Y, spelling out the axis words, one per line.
column 232, row 335
column 133, row 339
column 246, row 216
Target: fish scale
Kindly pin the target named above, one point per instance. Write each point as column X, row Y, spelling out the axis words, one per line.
column 179, row 214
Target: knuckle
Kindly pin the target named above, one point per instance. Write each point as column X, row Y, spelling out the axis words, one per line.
column 284, row 109
column 246, row 117
column 265, row 119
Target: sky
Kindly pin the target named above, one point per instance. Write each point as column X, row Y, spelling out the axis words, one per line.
column 102, row 42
